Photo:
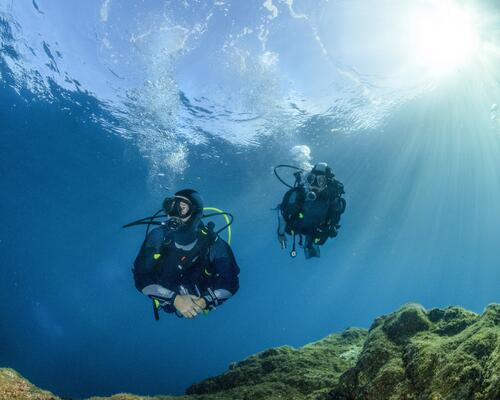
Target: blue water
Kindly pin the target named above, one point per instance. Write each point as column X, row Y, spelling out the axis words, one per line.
column 106, row 107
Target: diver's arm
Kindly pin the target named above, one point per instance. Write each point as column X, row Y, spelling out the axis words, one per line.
column 225, row 282
column 289, row 198
column 145, row 261
column 281, row 224
column 145, row 278
column 336, row 208
column 281, row 230
column 165, row 296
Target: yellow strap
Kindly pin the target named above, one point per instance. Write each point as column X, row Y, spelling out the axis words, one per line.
column 225, row 217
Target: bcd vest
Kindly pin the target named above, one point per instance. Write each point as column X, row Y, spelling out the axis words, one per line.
column 173, row 264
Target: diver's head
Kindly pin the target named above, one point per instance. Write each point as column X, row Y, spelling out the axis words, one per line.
column 317, row 180
column 185, row 210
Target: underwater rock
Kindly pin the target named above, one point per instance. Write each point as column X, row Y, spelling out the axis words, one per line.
column 439, row 354
column 288, row 373
column 14, row 387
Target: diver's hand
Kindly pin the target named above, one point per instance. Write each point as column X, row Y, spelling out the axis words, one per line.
column 282, row 240
column 200, row 302
column 187, row 305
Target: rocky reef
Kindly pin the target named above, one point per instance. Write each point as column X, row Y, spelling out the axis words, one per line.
column 411, row 354
column 14, row 387
column 441, row 354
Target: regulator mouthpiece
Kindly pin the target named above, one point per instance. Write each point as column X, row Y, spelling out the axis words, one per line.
column 174, row 224
column 311, row 196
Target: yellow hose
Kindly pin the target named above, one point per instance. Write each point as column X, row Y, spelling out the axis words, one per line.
column 225, row 217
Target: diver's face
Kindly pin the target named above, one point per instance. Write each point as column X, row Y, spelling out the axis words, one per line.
column 184, row 209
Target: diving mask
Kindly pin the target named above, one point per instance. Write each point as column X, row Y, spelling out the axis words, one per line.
column 315, row 180
column 180, row 210
column 179, row 207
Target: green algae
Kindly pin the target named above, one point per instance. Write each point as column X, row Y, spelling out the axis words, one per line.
column 285, row 372
column 412, row 354
column 14, row 387
column 447, row 354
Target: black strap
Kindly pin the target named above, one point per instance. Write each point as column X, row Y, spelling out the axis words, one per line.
column 155, row 311
column 293, row 253
column 157, row 304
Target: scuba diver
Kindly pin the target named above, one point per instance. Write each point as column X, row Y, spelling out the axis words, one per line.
column 311, row 208
column 183, row 265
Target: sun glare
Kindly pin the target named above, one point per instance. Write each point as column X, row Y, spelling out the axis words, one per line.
column 444, row 36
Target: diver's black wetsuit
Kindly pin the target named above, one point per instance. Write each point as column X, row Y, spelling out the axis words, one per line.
column 213, row 274
column 316, row 220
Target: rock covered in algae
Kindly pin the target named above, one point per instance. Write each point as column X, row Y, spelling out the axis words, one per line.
column 441, row 354
column 280, row 373
column 411, row 354
column 14, row 387
column 288, row 373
